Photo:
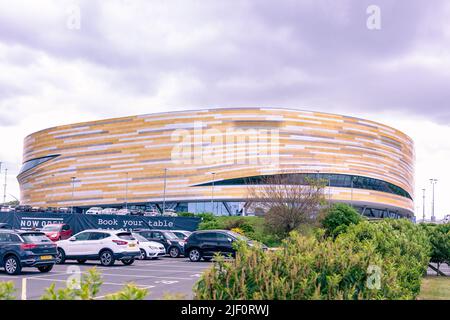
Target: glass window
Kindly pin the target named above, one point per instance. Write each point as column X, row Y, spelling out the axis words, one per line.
column 98, row 235
column 51, row 228
column 140, row 238
column 35, row 237
column 30, row 164
column 126, row 236
column 157, row 235
column 82, row 236
column 66, row 227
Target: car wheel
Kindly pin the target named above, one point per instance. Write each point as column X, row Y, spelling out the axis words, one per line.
column 12, row 265
column 107, row 258
column 60, row 256
column 127, row 262
column 45, row 269
column 194, row 255
column 143, row 255
column 174, row 252
column 81, row 261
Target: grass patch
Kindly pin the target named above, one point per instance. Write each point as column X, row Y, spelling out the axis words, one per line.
column 435, row 288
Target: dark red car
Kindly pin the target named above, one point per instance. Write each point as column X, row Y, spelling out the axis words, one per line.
column 57, row 231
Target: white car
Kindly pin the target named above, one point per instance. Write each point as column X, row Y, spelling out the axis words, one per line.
column 123, row 212
column 169, row 213
column 109, row 211
column 182, row 234
column 149, row 249
column 94, row 210
column 98, row 244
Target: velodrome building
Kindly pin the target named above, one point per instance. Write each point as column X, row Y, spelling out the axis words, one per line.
column 206, row 160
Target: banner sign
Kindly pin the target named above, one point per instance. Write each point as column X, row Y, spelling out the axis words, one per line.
column 79, row 222
column 30, row 220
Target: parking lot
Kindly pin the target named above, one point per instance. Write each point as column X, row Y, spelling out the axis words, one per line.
column 165, row 275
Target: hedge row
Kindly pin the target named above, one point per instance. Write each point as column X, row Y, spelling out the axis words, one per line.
column 320, row 267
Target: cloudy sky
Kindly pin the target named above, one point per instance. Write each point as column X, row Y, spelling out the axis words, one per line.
column 125, row 57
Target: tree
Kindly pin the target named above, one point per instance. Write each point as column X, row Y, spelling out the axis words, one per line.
column 288, row 200
column 338, row 217
column 439, row 236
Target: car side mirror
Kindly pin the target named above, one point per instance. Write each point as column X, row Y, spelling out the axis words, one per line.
column 230, row 240
column 72, row 239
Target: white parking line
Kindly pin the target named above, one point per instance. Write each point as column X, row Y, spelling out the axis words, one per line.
column 107, row 283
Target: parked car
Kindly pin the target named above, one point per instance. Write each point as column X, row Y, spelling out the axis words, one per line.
column 23, row 208
column 174, row 245
column 123, row 212
column 94, row 210
column 136, row 212
column 5, row 226
column 206, row 243
column 149, row 249
column 57, row 231
column 19, row 249
column 98, row 244
column 109, row 211
column 182, row 234
column 64, row 210
column 151, row 213
column 169, row 213
column 7, row 209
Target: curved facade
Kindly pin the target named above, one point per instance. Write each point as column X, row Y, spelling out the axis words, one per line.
column 134, row 159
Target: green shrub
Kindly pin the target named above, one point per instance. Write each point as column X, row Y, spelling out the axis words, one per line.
column 401, row 245
column 185, row 214
column 129, row 292
column 439, row 236
column 338, row 218
column 7, row 290
column 318, row 267
column 89, row 287
column 303, row 269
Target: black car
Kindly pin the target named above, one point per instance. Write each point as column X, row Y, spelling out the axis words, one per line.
column 19, row 248
column 174, row 245
column 205, row 244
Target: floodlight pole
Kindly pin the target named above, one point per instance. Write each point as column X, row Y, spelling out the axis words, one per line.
column 4, row 186
column 433, row 183
column 164, row 192
column 73, row 192
column 423, row 205
column 212, row 192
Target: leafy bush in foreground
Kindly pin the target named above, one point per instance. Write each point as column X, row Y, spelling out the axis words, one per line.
column 322, row 268
column 401, row 244
column 7, row 290
column 439, row 236
column 338, row 218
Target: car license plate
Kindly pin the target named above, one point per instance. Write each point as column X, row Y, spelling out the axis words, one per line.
column 131, row 245
column 46, row 257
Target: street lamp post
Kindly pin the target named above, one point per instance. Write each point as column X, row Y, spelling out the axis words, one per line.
column 212, row 192
column 73, row 192
column 423, row 206
column 351, row 192
column 164, row 192
column 4, row 186
column 433, row 182
column 126, row 192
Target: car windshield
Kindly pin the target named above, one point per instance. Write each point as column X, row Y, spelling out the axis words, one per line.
column 126, row 236
column 51, row 228
column 140, row 238
column 35, row 237
column 238, row 236
column 170, row 235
